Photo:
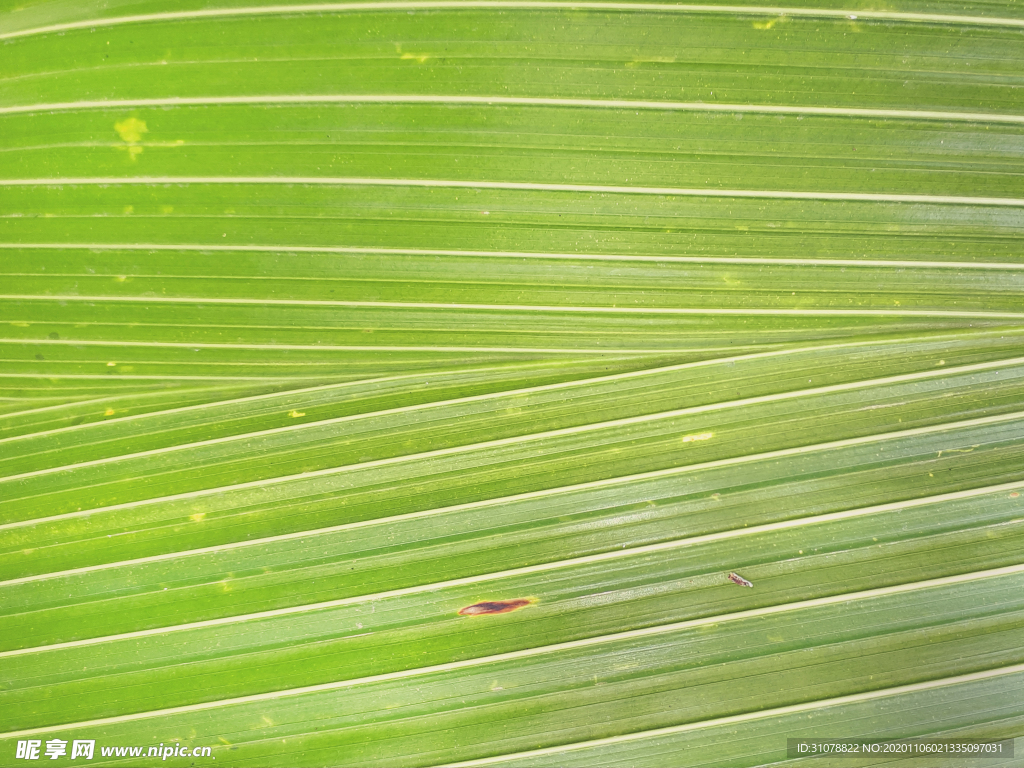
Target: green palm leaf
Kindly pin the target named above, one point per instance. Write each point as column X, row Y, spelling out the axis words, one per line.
column 324, row 323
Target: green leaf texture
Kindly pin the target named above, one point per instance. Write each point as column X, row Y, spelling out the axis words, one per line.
column 321, row 323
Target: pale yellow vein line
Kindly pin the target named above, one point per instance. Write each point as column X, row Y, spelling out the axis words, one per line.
column 87, row 400
column 516, row 101
column 793, row 709
column 617, row 554
column 751, row 260
column 265, row 367
column 581, row 351
column 127, row 377
column 582, row 429
column 571, row 309
column 733, row 461
column 549, row 649
column 517, row 186
column 268, row 10
column 522, row 391
column 65, row 405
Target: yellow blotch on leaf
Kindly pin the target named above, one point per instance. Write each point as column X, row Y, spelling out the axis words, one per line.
column 421, row 58
column 131, row 130
column 296, row 414
column 696, row 438
column 109, row 412
column 197, row 517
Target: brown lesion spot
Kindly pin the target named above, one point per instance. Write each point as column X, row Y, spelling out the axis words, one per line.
column 494, row 606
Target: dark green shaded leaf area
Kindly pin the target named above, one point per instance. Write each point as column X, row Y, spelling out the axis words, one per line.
column 404, row 384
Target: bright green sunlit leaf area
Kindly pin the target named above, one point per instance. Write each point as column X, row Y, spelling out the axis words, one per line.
column 422, row 382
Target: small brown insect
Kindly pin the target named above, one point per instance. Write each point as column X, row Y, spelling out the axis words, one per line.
column 737, row 579
column 496, row 606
